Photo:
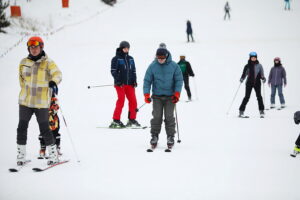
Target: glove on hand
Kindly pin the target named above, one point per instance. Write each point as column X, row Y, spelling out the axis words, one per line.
column 118, row 83
column 263, row 79
column 147, row 98
column 54, row 87
column 175, row 97
column 241, row 80
column 134, row 84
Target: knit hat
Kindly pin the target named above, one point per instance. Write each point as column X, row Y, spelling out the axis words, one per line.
column 124, row 44
column 162, row 52
column 162, row 45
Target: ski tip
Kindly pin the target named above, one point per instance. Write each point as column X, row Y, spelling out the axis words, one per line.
column 168, row 150
column 37, row 169
column 12, row 170
column 149, row 150
column 292, row 155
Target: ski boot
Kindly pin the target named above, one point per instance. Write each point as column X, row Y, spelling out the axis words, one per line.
column 170, row 141
column 282, row 106
column 132, row 123
column 241, row 115
column 296, row 151
column 117, row 124
column 272, row 106
column 53, row 154
column 42, row 153
column 154, row 140
column 21, row 157
column 59, row 151
column 262, row 114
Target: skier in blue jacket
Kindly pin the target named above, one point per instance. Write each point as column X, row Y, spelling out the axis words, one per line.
column 165, row 78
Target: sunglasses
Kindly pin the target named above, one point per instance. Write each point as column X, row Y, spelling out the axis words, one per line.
column 33, row 43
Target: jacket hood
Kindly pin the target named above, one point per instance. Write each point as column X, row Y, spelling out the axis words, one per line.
column 119, row 52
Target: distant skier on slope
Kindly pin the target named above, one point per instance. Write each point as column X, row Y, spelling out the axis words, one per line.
column 227, row 11
column 187, row 71
column 37, row 75
column 124, row 73
column 165, row 78
column 189, row 31
column 297, row 143
column 277, row 78
column 287, row 5
column 254, row 72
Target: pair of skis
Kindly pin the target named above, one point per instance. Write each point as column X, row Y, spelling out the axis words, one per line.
column 37, row 169
column 153, row 147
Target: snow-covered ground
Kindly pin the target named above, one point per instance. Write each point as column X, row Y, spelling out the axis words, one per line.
column 220, row 157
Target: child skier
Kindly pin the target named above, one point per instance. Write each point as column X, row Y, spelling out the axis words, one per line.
column 277, row 78
column 254, row 72
column 165, row 78
column 297, row 147
column 54, row 125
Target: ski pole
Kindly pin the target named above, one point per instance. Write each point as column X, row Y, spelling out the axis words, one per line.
column 137, row 109
column 93, row 86
column 178, row 140
column 69, row 134
column 196, row 90
column 264, row 92
column 233, row 98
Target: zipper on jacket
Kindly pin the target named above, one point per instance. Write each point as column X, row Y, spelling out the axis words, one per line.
column 126, row 63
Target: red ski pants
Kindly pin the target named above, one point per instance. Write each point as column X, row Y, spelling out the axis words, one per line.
column 129, row 92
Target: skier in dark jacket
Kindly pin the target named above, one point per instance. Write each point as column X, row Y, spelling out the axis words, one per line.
column 254, row 72
column 189, row 31
column 227, row 10
column 124, row 74
column 297, row 143
column 277, row 78
column 187, row 71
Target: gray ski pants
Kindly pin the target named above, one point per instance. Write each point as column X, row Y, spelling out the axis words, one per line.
column 163, row 105
column 42, row 116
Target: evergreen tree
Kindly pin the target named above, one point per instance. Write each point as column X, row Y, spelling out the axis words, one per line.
column 3, row 21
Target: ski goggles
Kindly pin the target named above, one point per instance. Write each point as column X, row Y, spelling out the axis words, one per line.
column 33, row 43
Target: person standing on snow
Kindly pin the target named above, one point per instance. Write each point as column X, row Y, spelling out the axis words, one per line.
column 38, row 77
column 254, row 72
column 187, row 71
column 165, row 78
column 227, row 10
column 287, row 5
column 277, row 78
column 124, row 74
column 189, row 31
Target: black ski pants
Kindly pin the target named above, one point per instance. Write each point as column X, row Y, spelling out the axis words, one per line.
column 163, row 105
column 187, row 86
column 42, row 116
column 227, row 14
column 257, row 89
column 298, row 141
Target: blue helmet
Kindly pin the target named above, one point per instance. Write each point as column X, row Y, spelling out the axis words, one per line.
column 253, row 54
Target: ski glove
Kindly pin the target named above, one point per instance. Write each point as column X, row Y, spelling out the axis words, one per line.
column 147, row 98
column 241, row 80
column 263, row 79
column 175, row 97
column 54, row 87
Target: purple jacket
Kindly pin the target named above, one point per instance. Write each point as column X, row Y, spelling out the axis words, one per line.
column 277, row 74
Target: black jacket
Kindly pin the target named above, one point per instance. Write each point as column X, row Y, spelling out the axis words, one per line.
column 123, row 68
column 186, row 68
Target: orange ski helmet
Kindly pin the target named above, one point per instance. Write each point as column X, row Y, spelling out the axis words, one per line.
column 35, row 41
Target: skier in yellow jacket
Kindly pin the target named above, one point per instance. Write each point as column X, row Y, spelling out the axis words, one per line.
column 38, row 76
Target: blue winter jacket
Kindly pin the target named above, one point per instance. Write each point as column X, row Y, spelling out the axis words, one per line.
column 123, row 68
column 165, row 78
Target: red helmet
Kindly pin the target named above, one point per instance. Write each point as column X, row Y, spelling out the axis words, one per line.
column 35, row 41
column 277, row 59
